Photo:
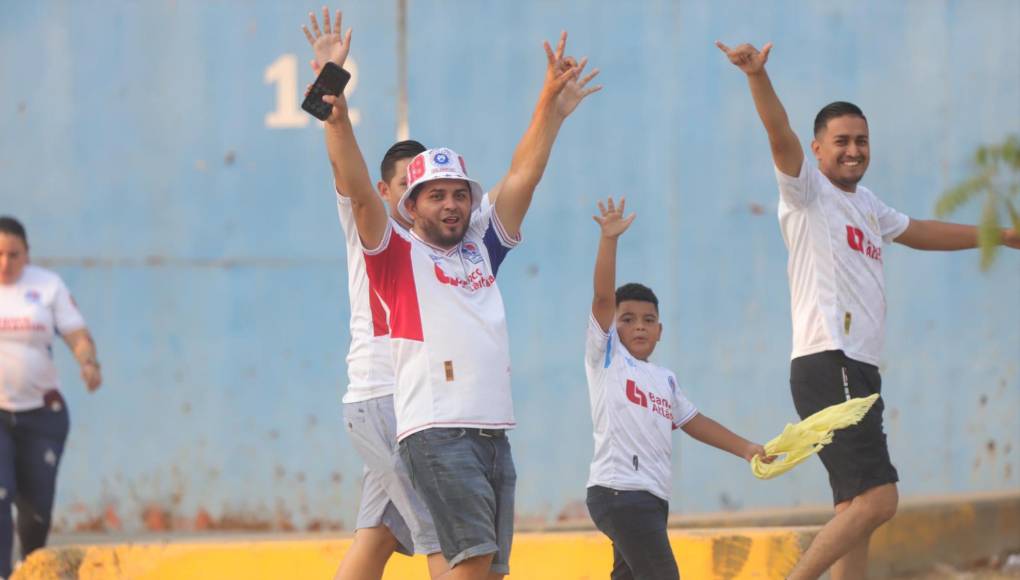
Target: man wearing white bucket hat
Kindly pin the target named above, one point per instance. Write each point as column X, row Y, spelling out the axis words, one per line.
column 447, row 320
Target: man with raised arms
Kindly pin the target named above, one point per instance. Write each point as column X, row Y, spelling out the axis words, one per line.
column 835, row 230
column 447, row 321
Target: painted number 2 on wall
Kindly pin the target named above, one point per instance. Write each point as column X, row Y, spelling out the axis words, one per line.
column 283, row 72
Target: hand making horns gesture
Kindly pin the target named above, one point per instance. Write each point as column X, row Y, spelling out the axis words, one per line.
column 746, row 57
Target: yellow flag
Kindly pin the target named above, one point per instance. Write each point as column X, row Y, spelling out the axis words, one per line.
column 798, row 442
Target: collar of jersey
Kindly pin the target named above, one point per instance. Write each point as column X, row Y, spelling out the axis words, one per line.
column 450, row 252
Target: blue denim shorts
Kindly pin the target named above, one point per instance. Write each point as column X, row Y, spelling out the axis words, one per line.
column 466, row 478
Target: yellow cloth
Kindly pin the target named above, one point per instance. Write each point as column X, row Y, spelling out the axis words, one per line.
column 798, row 442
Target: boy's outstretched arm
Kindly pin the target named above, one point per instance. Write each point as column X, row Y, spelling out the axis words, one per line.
column 711, row 433
column 786, row 150
column 612, row 225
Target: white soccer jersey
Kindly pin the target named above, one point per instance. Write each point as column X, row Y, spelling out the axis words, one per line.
column 635, row 407
column 32, row 311
column 837, row 288
column 447, row 326
column 369, row 360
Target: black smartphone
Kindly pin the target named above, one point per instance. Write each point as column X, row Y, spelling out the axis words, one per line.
column 331, row 81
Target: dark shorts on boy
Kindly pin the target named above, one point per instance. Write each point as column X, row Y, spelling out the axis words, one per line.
column 636, row 523
column 858, row 457
column 466, row 478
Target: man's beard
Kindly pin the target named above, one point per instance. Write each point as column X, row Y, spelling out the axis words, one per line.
column 432, row 232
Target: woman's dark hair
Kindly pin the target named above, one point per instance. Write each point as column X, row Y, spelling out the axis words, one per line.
column 13, row 227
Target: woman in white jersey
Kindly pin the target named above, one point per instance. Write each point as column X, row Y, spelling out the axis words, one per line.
column 635, row 407
column 35, row 306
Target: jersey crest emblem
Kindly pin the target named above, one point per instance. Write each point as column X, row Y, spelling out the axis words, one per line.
column 470, row 252
column 32, row 297
column 873, row 222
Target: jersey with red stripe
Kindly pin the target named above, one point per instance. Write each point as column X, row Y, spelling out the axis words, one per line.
column 635, row 407
column 369, row 361
column 447, row 326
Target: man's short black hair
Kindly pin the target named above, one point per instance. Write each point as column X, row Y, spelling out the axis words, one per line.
column 834, row 110
column 635, row 291
column 13, row 227
column 400, row 150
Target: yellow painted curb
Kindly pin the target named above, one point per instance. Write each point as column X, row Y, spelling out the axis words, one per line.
column 734, row 554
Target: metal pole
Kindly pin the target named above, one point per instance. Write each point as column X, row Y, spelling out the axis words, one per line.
column 403, row 128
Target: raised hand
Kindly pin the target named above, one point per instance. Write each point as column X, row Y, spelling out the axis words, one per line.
column 611, row 219
column 575, row 90
column 746, row 57
column 327, row 43
column 558, row 71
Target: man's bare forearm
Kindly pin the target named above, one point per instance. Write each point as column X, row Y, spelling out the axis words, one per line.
column 352, row 178
column 770, row 109
column 786, row 150
column 532, row 153
column 528, row 164
column 345, row 158
column 938, row 236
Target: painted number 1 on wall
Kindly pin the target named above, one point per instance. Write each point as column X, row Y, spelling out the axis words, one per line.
column 283, row 72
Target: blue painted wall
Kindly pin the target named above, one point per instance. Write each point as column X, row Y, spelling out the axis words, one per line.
column 201, row 239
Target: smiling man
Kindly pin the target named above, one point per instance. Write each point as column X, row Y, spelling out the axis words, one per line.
column 437, row 282
column 835, row 230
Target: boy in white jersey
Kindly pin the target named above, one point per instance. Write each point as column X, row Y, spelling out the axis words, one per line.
column 635, row 407
column 834, row 230
column 446, row 318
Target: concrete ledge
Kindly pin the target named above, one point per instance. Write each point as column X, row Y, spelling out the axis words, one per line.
column 725, row 553
column 956, row 530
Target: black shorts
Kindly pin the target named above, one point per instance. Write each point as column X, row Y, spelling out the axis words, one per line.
column 858, row 457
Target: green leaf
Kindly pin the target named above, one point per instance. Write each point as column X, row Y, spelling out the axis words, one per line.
column 981, row 157
column 1014, row 215
column 1011, row 152
column 997, row 176
column 989, row 234
column 961, row 194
